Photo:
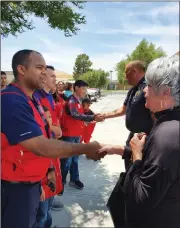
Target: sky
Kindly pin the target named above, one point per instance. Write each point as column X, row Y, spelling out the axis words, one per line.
column 112, row 31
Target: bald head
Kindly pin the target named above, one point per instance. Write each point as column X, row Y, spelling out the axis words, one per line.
column 135, row 71
column 137, row 64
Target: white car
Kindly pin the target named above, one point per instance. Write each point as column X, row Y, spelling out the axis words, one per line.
column 92, row 93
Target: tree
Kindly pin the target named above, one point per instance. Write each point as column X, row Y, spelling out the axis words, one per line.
column 82, row 65
column 95, row 78
column 59, row 14
column 145, row 52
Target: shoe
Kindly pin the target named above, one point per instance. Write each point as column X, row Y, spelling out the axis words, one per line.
column 57, row 206
column 77, row 184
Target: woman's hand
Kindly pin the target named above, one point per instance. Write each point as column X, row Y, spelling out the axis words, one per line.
column 112, row 149
column 137, row 145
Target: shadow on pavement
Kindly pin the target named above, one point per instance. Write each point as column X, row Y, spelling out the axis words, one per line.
column 87, row 207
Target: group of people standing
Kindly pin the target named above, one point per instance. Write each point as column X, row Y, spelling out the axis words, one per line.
column 42, row 133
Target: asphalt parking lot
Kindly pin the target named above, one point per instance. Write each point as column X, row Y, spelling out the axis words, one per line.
column 87, row 207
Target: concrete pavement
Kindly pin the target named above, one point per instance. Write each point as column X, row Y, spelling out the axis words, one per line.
column 87, row 207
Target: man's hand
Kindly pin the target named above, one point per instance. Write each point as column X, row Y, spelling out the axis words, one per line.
column 51, row 180
column 137, row 145
column 98, row 117
column 57, row 131
column 111, row 149
column 93, row 151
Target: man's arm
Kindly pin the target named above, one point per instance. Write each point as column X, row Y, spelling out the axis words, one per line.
column 20, row 127
column 121, row 111
column 59, row 149
column 78, row 116
column 116, row 113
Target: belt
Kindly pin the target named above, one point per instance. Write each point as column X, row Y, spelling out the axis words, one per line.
column 19, row 182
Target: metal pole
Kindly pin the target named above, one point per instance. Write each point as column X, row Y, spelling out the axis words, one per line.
column 111, row 80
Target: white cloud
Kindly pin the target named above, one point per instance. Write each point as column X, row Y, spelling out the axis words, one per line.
column 127, row 20
column 167, row 9
column 62, row 56
column 6, row 57
column 107, row 61
column 169, row 44
column 153, row 30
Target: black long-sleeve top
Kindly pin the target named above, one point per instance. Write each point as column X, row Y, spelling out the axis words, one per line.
column 152, row 185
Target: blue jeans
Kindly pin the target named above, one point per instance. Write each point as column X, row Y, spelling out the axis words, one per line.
column 44, row 219
column 70, row 164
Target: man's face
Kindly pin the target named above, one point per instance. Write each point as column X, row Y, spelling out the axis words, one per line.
column 50, row 79
column 34, row 74
column 130, row 73
column 3, row 80
column 81, row 91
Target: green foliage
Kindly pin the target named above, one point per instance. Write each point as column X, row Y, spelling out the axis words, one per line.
column 82, row 65
column 95, row 78
column 145, row 52
column 59, row 14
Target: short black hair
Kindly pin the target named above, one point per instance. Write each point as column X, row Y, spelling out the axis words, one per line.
column 80, row 83
column 21, row 58
column 86, row 101
column 3, row 73
column 50, row 67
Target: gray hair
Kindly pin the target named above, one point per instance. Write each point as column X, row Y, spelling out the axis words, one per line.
column 164, row 73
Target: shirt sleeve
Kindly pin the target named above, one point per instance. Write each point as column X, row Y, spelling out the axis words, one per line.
column 75, row 113
column 18, row 123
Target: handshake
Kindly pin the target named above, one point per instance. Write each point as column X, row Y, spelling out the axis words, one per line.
column 97, row 151
column 99, row 117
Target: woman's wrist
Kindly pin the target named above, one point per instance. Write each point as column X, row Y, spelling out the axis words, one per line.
column 137, row 156
column 119, row 150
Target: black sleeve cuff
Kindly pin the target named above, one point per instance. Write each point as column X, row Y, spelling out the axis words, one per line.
column 135, row 166
column 127, row 153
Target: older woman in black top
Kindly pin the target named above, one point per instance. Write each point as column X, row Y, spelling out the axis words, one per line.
column 151, row 184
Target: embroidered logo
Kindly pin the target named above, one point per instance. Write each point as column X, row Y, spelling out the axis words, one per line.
column 137, row 93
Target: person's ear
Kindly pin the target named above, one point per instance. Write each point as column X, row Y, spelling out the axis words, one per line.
column 167, row 91
column 21, row 69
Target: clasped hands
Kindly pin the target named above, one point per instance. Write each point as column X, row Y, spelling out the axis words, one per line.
column 99, row 117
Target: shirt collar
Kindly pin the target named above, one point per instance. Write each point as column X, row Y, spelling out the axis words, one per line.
column 141, row 81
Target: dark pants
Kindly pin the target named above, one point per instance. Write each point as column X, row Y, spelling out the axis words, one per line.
column 70, row 164
column 19, row 204
column 127, row 161
column 44, row 219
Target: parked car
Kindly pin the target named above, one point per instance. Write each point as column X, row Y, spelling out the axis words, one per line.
column 93, row 94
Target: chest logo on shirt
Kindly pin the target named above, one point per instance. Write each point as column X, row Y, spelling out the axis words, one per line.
column 79, row 106
column 137, row 93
